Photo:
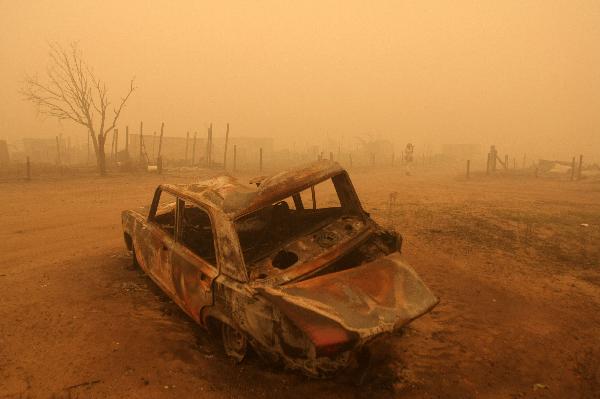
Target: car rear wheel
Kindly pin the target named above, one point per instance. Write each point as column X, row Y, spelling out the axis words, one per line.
column 234, row 342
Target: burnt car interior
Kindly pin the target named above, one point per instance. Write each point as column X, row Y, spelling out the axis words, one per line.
column 263, row 231
column 197, row 234
column 291, row 231
column 196, row 229
column 300, row 227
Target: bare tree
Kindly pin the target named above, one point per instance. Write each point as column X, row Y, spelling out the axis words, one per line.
column 71, row 91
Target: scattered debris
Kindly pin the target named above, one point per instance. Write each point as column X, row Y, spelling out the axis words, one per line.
column 565, row 169
column 83, row 384
column 539, row 386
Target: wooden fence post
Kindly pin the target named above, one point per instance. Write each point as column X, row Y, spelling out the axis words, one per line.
column 468, row 168
column 209, row 147
column 226, row 144
column 116, row 144
column 113, row 144
column 487, row 168
column 580, row 165
column 162, row 131
column 127, row 140
column 573, row 169
column 154, row 144
column 141, row 141
column 28, row 170
column 194, row 149
column 187, row 145
column 260, row 165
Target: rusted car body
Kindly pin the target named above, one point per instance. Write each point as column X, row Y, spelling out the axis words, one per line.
column 305, row 279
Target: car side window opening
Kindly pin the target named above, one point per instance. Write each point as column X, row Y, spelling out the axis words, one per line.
column 264, row 230
column 196, row 232
column 320, row 196
column 165, row 212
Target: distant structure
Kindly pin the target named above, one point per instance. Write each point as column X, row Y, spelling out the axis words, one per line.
column 40, row 149
column 372, row 151
column 174, row 148
column 461, row 152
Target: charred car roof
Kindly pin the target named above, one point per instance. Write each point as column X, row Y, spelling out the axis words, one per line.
column 235, row 199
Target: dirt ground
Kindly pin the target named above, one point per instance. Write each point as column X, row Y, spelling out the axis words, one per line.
column 515, row 261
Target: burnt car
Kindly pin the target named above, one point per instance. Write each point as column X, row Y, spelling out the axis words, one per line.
column 293, row 268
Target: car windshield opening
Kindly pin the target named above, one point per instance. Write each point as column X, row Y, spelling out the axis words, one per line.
column 265, row 231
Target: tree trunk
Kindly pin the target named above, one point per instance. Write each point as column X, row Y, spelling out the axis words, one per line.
column 100, row 155
column 98, row 142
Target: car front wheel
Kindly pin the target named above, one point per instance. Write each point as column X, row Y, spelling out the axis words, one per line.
column 234, row 342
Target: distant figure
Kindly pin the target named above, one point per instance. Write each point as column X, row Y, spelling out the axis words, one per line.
column 408, row 157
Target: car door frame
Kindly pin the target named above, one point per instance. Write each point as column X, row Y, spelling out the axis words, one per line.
column 160, row 243
column 192, row 275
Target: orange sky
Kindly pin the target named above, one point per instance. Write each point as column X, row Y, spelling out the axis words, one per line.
column 521, row 74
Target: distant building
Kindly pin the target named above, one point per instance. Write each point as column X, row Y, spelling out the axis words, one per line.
column 40, row 150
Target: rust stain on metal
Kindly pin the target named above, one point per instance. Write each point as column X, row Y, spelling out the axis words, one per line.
column 300, row 274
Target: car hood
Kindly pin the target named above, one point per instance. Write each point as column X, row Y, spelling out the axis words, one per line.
column 379, row 296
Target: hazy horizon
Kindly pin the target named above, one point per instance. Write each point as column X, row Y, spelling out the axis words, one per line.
column 522, row 75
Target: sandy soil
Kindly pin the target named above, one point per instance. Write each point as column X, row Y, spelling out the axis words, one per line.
column 517, row 273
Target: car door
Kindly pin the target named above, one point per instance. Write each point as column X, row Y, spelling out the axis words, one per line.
column 193, row 259
column 157, row 239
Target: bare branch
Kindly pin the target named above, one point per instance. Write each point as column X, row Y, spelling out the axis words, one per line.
column 49, row 100
column 71, row 91
column 117, row 111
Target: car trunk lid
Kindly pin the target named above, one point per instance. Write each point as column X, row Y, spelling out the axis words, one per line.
column 373, row 298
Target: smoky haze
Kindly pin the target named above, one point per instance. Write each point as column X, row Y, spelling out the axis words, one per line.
column 521, row 75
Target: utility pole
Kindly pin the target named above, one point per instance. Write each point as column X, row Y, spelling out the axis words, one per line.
column 141, row 141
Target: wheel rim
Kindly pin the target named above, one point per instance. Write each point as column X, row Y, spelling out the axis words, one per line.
column 234, row 342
